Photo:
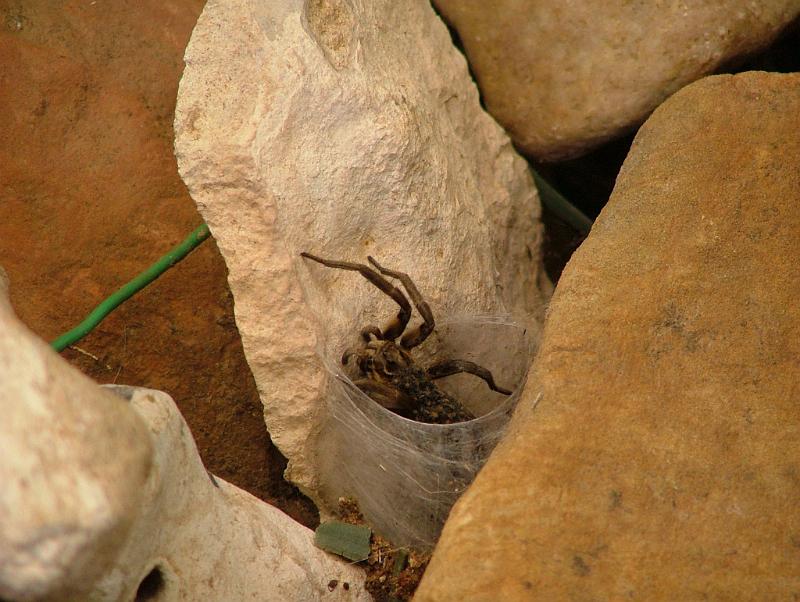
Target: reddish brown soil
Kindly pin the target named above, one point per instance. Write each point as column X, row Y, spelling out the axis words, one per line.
column 90, row 196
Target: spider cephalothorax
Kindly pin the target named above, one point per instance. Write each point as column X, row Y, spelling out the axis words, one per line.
column 380, row 360
column 390, row 375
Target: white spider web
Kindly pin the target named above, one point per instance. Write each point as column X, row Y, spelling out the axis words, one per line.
column 406, row 475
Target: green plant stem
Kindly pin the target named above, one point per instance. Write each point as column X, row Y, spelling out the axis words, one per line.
column 559, row 205
column 131, row 288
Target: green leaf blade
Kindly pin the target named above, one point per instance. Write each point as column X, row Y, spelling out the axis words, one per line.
column 349, row 541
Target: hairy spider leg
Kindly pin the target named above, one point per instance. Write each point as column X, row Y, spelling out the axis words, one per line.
column 371, row 330
column 366, row 332
column 389, row 397
column 416, row 336
column 450, row 367
column 396, row 327
column 348, row 353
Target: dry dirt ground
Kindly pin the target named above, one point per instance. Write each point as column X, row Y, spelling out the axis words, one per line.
column 90, row 196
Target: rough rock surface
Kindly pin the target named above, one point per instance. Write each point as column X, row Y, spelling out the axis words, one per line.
column 101, row 489
column 662, row 460
column 346, row 129
column 209, row 540
column 563, row 77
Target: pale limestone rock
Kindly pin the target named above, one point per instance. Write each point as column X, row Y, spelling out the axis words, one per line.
column 662, row 460
column 101, row 489
column 74, row 462
column 346, row 129
column 563, row 77
column 210, row 540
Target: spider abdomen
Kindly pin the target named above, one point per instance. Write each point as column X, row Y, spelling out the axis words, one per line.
column 431, row 404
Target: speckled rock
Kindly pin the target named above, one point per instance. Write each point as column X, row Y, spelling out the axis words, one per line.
column 346, row 129
column 563, row 77
column 662, row 460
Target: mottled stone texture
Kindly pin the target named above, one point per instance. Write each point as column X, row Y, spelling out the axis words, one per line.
column 563, row 77
column 662, row 461
column 346, row 129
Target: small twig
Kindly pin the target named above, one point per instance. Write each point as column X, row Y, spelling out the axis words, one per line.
column 91, row 355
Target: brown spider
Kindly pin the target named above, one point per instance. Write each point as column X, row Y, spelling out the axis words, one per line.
column 391, row 377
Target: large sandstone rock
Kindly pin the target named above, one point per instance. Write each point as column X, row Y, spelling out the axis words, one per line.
column 104, row 498
column 662, row 460
column 563, row 77
column 345, row 130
